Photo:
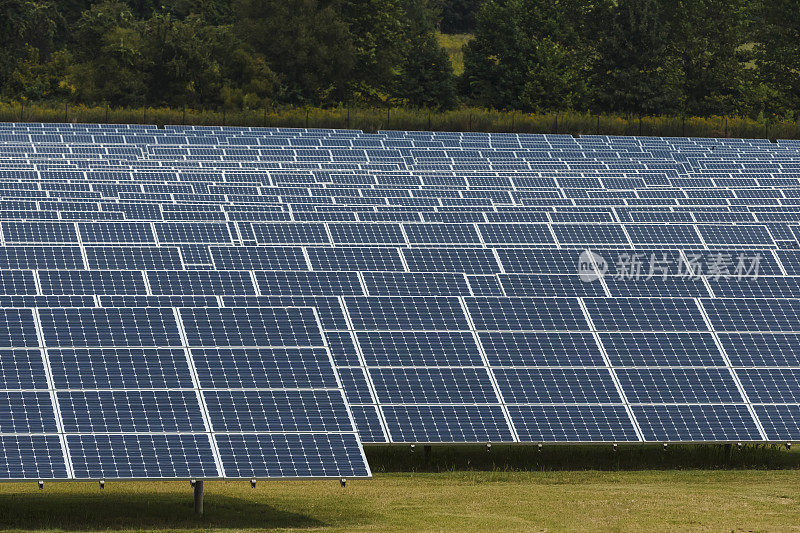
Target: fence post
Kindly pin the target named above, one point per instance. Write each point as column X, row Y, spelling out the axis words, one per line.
column 66, row 111
column 106, row 112
column 265, row 116
column 429, row 120
column 725, row 118
column 388, row 117
column 183, row 117
column 597, row 128
column 470, row 122
column 348, row 117
column 306, row 118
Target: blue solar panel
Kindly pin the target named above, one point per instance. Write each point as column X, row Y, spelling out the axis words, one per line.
column 119, row 368
column 441, row 233
column 446, row 423
column 661, row 349
column 95, row 327
column 141, row 456
column 482, row 283
column 753, row 315
column 257, row 258
column 288, row 455
column 516, row 233
column 366, row 233
column 645, row 314
column 163, row 411
column 664, row 423
column 119, row 232
column 200, row 282
column 32, row 457
column 780, row 422
column 572, row 423
column 678, row 385
column 280, row 283
column 526, row 313
column 264, row 368
column 408, row 348
column 300, row 233
column 511, row 348
column 415, row 284
column 356, row 259
column 43, row 232
column 554, row 385
column 464, row 260
column 413, row 313
column 130, row 258
column 187, row 232
column 35, row 257
column 249, row 326
column 91, row 282
column 277, row 411
column 425, row 385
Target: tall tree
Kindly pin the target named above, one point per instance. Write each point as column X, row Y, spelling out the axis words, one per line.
column 777, row 53
column 27, row 33
column 710, row 37
column 458, row 16
column 376, row 29
column 108, row 57
column 425, row 76
column 305, row 42
column 638, row 70
column 528, row 54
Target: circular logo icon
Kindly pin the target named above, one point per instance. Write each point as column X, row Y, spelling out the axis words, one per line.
column 591, row 266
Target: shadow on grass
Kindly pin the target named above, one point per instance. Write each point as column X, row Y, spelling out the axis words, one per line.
column 84, row 510
column 444, row 458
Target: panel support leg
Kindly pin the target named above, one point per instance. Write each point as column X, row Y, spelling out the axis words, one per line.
column 198, row 497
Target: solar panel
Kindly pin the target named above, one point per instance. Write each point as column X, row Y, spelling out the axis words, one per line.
column 167, row 411
column 442, row 268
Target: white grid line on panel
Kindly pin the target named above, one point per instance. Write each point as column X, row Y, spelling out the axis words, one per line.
column 611, row 371
column 200, row 398
column 363, row 364
column 53, row 396
column 731, row 370
column 489, row 371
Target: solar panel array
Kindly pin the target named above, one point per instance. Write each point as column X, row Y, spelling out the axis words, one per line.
column 134, row 392
column 448, row 272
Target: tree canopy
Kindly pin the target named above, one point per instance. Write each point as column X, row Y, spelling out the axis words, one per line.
column 634, row 57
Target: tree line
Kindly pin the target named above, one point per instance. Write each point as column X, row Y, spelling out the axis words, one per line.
column 628, row 57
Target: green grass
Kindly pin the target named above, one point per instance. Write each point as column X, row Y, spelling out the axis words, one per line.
column 475, row 501
column 521, row 488
column 454, row 44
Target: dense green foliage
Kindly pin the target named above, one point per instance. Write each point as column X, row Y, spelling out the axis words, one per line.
column 628, row 57
column 458, row 16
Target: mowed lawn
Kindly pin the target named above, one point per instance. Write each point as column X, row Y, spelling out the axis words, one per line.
column 650, row 500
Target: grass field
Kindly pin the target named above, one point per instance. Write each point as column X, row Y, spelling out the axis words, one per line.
column 661, row 500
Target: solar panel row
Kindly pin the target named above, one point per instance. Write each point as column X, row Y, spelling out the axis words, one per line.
column 443, row 267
